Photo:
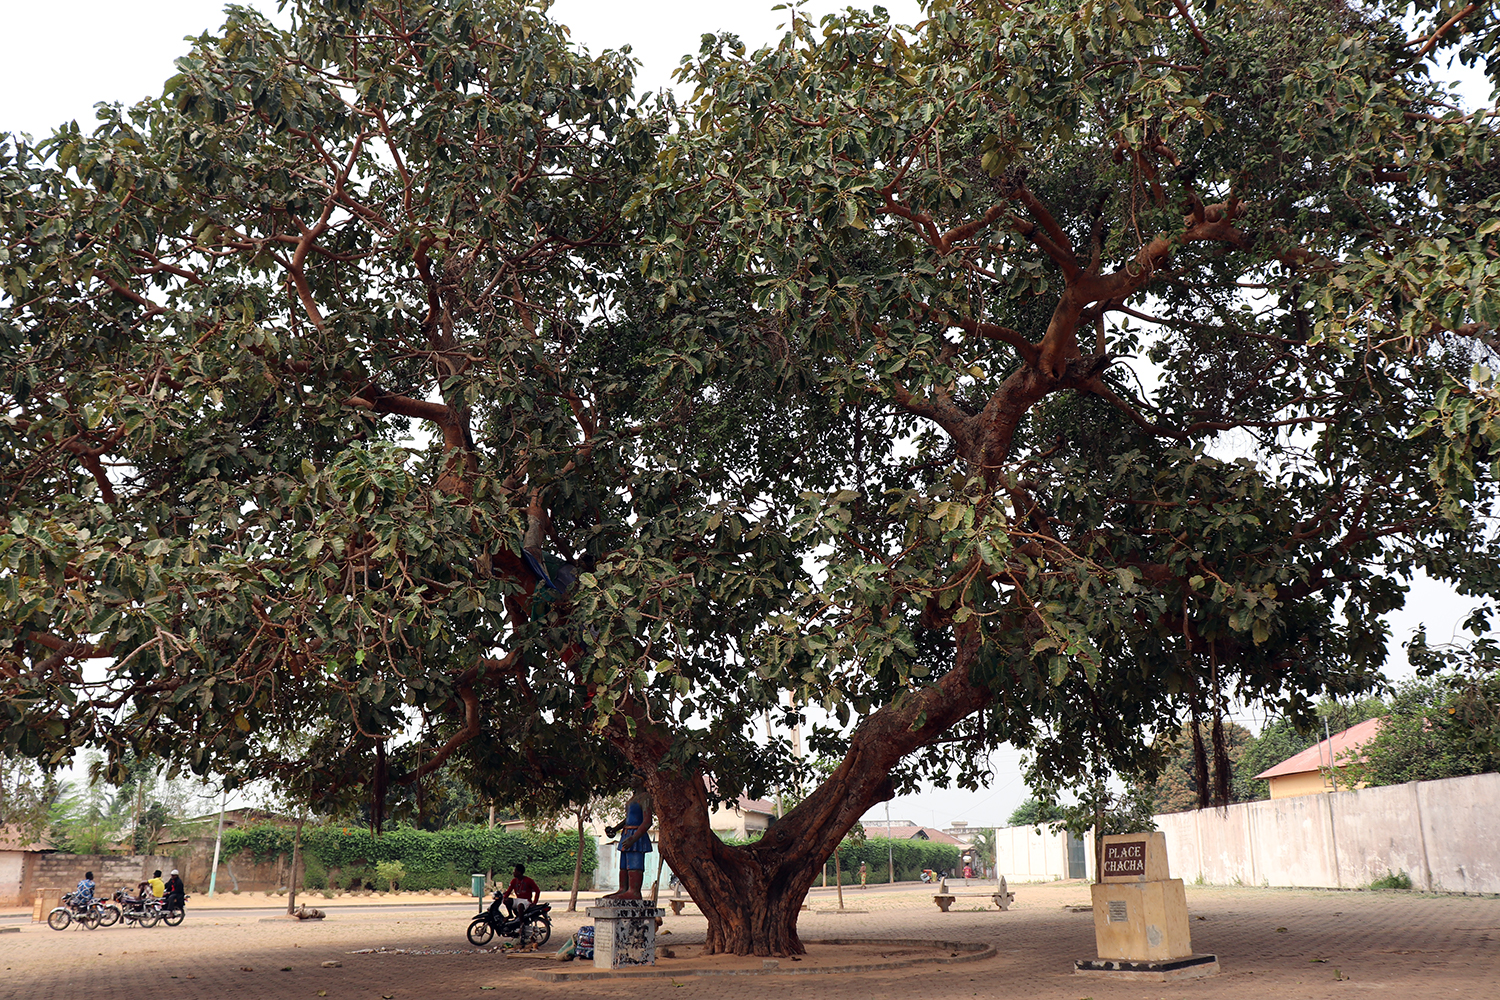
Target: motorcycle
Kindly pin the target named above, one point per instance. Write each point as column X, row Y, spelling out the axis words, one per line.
column 532, row 926
column 88, row 915
column 141, row 910
column 171, row 910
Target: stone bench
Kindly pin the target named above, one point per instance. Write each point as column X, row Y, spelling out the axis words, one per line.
column 1001, row 897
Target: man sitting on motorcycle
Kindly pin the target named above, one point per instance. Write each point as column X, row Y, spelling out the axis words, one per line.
column 525, row 892
column 173, row 898
column 156, row 886
column 84, row 894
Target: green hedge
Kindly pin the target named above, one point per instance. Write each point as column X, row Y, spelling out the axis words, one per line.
column 911, row 857
column 341, row 855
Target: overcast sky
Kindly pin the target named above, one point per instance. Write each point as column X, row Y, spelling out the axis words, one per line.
column 64, row 56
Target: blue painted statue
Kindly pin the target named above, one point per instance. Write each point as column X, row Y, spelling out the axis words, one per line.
column 635, row 841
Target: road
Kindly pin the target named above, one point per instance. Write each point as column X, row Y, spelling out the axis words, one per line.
column 1297, row 944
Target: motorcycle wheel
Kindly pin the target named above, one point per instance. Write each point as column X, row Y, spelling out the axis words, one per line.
column 110, row 915
column 538, row 932
column 480, row 932
column 59, row 919
column 89, row 918
column 148, row 918
column 172, row 917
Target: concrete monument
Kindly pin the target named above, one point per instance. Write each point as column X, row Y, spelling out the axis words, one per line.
column 1140, row 916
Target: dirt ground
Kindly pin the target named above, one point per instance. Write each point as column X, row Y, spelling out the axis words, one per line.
column 1270, row 943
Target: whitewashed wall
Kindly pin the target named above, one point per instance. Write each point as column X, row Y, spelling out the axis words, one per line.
column 1028, row 854
column 1444, row 834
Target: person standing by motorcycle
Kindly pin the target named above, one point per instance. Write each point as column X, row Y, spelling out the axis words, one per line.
column 522, row 891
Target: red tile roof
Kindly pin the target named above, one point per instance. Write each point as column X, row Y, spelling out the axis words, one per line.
column 1336, row 748
column 913, row 833
column 748, row 805
column 12, row 840
column 745, row 803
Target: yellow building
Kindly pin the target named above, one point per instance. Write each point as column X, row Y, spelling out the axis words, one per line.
column 1321, row 768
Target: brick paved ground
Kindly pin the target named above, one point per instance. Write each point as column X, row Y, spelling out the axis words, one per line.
column 1335, row 944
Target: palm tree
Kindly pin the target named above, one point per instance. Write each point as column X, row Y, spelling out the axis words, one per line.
column 983, row 847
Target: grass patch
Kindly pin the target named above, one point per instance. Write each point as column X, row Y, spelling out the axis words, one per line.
column 1393, row 880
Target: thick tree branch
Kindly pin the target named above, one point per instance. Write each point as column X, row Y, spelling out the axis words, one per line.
column 991, row 331
column 1056, row 243
column 1431, row 41
column 946, row 415
column 1192, row 25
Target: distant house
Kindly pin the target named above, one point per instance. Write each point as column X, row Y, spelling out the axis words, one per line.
column 963, row 831
column 913, row 833
column 17, row 856
column 1321, row 768
column 745, row 817
column 206, row 827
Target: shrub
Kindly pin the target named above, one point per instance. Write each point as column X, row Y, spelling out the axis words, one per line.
column 910, row 856
column 314, row 875
column 430, row 859
column 389, row 873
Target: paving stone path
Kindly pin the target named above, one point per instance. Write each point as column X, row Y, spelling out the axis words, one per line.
column 1271, row 943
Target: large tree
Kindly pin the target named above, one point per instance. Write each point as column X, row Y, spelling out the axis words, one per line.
column 1042, row 374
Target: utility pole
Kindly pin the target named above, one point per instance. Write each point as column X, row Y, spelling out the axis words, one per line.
column 213, row 873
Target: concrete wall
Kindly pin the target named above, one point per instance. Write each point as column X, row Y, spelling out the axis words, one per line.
column 1441, row 833
column 1029, row 854
column 12, row 874
column 111, row 871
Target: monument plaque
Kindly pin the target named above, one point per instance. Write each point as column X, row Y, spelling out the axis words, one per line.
column 1125, row 858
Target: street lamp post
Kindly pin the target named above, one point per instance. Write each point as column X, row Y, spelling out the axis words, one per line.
column 890, row 849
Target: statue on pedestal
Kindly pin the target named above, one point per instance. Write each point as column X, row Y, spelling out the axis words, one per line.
column 635, row 842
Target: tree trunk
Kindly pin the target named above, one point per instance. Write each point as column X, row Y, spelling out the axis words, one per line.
column 752, row 895
column 577, row 863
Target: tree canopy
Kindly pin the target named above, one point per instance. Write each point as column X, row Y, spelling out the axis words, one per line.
column 1038, row 373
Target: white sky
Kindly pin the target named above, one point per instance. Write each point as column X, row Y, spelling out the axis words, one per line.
column 64, row 56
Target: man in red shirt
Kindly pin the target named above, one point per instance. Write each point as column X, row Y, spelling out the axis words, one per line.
column 525, row 891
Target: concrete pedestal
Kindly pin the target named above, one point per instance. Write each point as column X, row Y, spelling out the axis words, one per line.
column 624, row 932
column 1141, row 921
column 1140, row 916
